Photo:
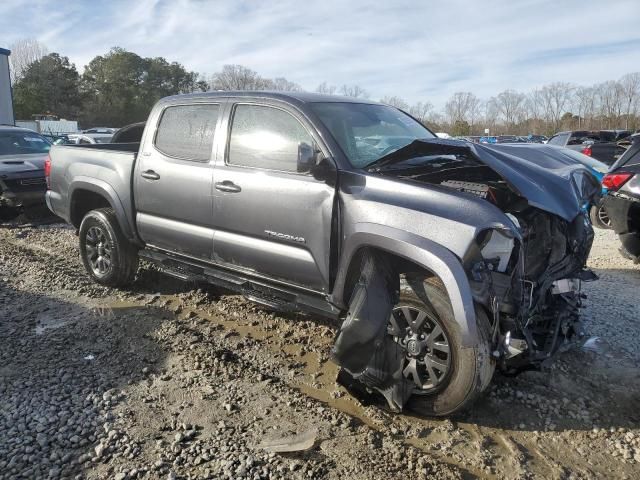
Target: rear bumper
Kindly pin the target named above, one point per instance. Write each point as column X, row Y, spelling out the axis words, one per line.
column 21, row 195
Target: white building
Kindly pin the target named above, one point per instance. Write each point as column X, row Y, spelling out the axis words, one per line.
column 6, row 100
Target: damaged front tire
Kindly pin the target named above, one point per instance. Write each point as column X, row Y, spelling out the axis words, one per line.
column 446, row 376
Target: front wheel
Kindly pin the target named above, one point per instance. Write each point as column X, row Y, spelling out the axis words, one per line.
column 446, row 376
column 599, row 217
column 109, row 258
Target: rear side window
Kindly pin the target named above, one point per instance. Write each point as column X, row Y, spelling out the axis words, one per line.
column 266, row 137
column 186, row 131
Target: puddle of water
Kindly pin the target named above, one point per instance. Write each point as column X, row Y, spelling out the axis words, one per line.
column 46, row 322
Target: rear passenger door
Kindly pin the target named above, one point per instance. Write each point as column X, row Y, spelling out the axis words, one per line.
column 268, row 217
column 173, row 179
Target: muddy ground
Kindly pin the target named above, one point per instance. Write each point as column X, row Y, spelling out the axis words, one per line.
column 166, row 380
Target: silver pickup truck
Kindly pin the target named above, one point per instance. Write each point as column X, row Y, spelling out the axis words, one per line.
column 441, row 259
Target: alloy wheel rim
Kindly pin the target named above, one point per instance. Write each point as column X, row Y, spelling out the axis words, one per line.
column 427, row 349
column 603, row 216
column 98, row 247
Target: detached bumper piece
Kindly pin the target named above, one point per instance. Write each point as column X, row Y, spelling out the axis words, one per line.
column 363, row 348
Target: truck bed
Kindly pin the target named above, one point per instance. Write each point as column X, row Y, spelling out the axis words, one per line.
column 106, row 167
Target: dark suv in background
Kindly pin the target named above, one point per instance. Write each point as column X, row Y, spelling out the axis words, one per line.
column 601, row 145
column 623, row 200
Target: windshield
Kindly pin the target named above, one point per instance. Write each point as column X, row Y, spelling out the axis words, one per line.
column 367, row 132
column 22, row 143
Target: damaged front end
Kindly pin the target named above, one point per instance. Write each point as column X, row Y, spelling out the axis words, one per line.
column 524, row 271
column 535, row 295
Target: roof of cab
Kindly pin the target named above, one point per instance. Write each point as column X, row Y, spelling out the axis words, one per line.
column 291, row 97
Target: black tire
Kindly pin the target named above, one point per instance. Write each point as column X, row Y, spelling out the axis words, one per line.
column 470, row 369
column 122, row 255
column 599, row 218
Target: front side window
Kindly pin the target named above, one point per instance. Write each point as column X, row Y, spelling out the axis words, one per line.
column 186, row 131
column 22, row 143
column 266, row 137
column 368, row 132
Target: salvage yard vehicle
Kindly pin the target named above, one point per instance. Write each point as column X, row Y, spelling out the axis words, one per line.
column 443, row 259
column 22, row 181
column 602, row 145
column 623, row 201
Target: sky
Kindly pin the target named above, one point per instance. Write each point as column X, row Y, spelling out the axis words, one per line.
column 417, row 50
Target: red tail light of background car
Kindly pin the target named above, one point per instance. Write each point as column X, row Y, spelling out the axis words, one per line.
column 47, row 171
column 613, row 181
column 586, row 151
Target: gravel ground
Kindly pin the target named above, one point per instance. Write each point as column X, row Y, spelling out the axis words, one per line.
column 168, row 381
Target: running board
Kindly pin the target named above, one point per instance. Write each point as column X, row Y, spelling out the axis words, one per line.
column 260, row 291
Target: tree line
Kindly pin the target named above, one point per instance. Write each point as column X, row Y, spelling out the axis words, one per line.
column 121, row 87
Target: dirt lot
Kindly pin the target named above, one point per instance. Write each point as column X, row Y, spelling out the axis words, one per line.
column 167, row 381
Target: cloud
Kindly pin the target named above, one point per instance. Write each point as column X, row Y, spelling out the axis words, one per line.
column 417, row 50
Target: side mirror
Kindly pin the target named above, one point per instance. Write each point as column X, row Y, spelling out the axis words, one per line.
column 306, row 157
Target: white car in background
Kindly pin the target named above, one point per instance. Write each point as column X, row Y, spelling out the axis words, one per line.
column 90, row 138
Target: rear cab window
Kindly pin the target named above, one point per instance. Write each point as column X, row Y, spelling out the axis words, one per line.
column 186, row 131
column 266, row 137
column 559, row 139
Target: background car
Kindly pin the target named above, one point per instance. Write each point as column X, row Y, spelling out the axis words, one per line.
column 100, row 130
column 623, row 201
column 601, row 145
column 22, row 180
column 90, row 138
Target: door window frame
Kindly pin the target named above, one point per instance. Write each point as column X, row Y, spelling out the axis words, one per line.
column 296, row 114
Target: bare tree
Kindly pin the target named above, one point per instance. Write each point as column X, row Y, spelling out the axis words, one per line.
column 283, row 85
column 556, row 99
column 421, row 111
column 326, row 89
column 395, row 102
column 585, row 105
column 509, row 105
column 23, row 53
column 610, row 102
column 355, row 91
column 630, row 86
column 462, row 107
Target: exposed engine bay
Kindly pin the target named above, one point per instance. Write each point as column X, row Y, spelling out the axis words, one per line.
column 531, row 284
column 526, row 276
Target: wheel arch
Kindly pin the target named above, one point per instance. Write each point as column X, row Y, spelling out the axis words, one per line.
column 90, row 195
column 409, row 252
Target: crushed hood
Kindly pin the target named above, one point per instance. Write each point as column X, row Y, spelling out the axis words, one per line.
column 547, row 182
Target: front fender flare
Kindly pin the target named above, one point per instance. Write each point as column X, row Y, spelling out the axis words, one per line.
column 423, row 252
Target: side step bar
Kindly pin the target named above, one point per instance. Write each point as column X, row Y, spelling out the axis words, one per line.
column 276, row 297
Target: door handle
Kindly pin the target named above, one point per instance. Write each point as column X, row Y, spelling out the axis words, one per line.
column 150, row 175
column 227, row 186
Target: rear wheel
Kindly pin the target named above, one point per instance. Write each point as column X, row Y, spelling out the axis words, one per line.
column 446, row 376
column 107, row 255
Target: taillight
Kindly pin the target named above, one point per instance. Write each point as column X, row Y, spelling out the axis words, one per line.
column 47, row 171
column 613, row 181
column 586, row 151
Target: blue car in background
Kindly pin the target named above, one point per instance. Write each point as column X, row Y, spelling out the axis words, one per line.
column 488, row 139
column 532, row 151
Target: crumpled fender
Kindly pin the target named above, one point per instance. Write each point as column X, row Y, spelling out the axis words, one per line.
column 423, row 252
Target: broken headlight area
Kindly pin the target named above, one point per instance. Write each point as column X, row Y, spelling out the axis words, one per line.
column 533, row 289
